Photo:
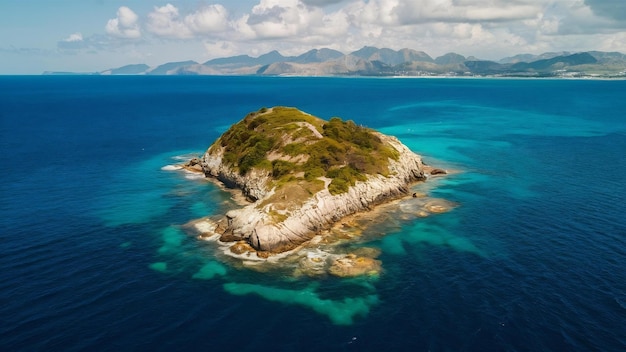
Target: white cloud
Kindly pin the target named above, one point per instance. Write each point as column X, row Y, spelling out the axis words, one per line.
column 332, row 25
column 281, row 18
column 484, row 28
column 210, row 19
column 165, row 22
column 124, row 25
column 612, row 42
column 465, row 11
column 580, row 19
column 292, row 21
column 74, row 37
column 321, row 2
column 219, row 49
column 76, row 42
column 459, row 24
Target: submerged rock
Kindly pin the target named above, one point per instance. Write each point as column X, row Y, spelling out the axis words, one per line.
column 303, row 174
column 352, row 265
column 438, row 172
column 241, row 247
column 313, row 264
column 438, row 206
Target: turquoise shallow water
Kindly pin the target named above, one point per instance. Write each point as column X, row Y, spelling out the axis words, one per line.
column 96, row 255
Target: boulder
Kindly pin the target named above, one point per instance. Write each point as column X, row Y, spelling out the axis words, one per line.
column 241, row 247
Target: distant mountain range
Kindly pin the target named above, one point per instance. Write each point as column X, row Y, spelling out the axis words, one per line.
column 371, row 61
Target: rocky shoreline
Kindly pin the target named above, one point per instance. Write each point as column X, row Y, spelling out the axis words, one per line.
column 252, row 224
column 269, row 224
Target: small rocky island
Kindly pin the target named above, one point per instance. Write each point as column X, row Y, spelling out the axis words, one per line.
column 301, row 174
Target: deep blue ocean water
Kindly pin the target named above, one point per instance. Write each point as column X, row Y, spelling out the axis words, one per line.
column 93, row 255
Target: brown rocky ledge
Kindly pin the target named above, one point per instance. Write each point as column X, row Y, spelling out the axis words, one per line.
column 294, row 191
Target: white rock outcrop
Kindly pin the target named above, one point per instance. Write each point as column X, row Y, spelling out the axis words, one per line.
column 317, row 213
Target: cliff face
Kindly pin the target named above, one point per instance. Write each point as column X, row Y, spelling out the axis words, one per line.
column 290, row 207
column 253, row 184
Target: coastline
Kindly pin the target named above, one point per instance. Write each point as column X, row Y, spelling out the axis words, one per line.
column 339, row 249
column 287, row 76
column 316, row 182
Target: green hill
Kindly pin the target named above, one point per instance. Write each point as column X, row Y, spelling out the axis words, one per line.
column 295, row 146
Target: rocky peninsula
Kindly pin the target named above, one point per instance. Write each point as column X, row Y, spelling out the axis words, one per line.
column 301, row 174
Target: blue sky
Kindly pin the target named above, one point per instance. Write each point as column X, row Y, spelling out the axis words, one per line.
column 94, row 35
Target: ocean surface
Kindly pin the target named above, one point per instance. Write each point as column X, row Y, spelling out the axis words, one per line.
column 94, row 254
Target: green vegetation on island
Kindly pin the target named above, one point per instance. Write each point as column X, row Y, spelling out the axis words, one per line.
column 293, row 146
column 301, row 175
